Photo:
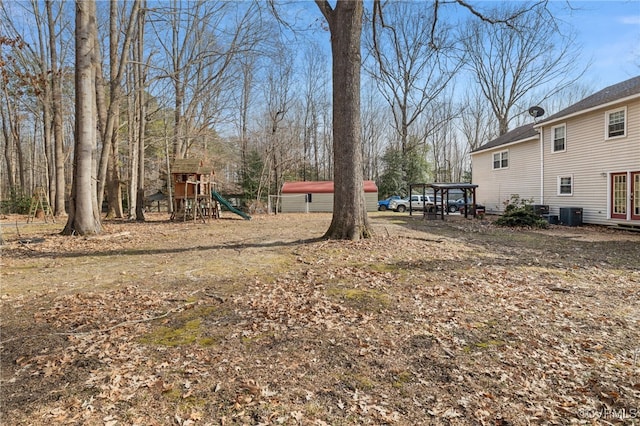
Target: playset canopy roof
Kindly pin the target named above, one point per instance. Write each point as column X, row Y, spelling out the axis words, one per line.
column 191, row 165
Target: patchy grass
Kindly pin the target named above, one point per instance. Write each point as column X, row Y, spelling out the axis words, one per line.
column 188, row 328
column 259, row 322
column 364, row 299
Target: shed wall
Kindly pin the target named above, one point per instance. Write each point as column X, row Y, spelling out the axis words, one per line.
column 295, row 203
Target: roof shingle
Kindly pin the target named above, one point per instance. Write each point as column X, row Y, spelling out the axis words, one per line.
column 605, row 96
column 518, row 134
column 608, row 94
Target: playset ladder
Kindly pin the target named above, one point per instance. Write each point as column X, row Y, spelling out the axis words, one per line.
column 40, row 201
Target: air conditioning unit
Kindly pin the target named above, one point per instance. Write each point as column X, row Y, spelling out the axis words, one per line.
column 571, row 216
column 540, row 209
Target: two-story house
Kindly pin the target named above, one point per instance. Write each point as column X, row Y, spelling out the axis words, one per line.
column 586, row 156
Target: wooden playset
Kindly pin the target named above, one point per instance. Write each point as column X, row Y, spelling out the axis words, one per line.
column 193, row 186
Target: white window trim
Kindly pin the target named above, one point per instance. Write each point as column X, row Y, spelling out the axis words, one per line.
column 558, row 186
column 606, row 123
column 553, row 138
column 493, row 162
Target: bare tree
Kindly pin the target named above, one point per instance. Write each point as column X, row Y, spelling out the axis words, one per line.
column 140, row 77
column 512, row 60
column 10, row 133
column 441, row 136
column 44, row 98
column 278, row 100
column 204, row 40
column 84, row 217
column 247, row 70
column 36, row 71
column 108, row 173
column 59, row 193
column 7, row 107
column 313, row 101
column 412, row 65
column 374, row 135
column 477, row 122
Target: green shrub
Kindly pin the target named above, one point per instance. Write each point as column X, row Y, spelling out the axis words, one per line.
column 18, row 203
column 519, row 212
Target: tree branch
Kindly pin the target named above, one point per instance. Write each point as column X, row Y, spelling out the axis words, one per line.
column 325, row 9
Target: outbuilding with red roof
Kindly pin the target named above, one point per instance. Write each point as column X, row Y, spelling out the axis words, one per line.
column 317, row 196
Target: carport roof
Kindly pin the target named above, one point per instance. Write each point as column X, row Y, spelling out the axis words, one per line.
column 452, row 185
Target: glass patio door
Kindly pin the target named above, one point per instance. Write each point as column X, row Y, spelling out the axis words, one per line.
column 635, row 195
column 625, row 193
column 619, row 195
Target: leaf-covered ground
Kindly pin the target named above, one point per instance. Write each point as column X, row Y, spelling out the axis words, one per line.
column 260, row 322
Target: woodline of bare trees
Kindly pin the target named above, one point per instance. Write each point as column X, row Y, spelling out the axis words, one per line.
column 265, row 98
column 509, row 66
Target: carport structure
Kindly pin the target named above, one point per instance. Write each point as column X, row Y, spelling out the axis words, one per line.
column 442, row 190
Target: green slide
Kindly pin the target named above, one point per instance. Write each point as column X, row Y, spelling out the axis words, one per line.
column 228, row 205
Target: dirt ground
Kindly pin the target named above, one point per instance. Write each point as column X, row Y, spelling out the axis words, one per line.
column 261, row 322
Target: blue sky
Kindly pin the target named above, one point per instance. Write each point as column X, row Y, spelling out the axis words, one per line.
column 609, row 32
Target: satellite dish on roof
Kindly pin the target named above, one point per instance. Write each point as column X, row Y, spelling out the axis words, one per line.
column 536, row 111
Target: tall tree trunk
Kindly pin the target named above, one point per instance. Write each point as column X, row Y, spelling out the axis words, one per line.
column 142, row 115
column 45, row 99
column 8, row 145
column 247, row 79
column 113, row 188
column 20, row 152
column 108, row 174
column 179, row 145
column 103, row 123
column 132, row 135
column 167, row 159
column 350, row 220
column 12, row 142
column 59, row 208
column 83, row 219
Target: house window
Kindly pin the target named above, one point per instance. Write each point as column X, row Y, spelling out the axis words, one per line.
column 501, row 160
column 559, row 138
column 565, row 185
column 616, row 123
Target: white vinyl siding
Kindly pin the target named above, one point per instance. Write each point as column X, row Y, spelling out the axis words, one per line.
column 495, row 187
column 371, row 200
column 590, row 159
column 291, row 203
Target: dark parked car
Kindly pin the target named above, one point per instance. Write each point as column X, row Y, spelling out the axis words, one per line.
column 455, row 205
column 384, row 204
